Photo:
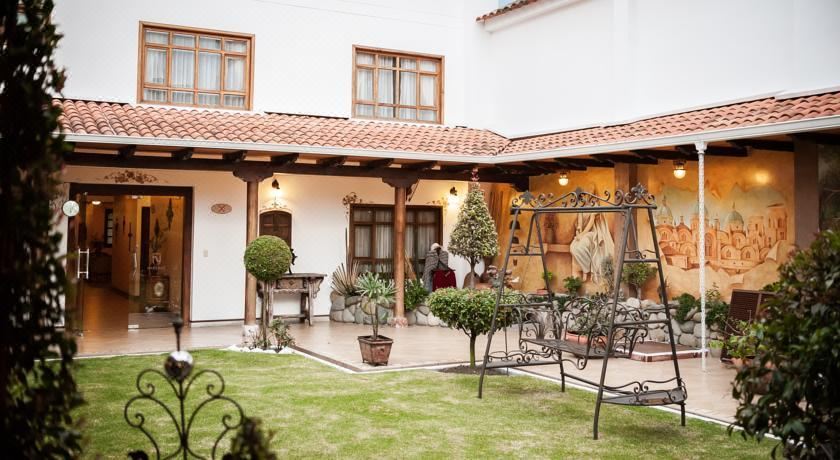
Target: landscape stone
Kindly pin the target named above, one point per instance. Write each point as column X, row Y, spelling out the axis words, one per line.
column 352, row 300
column 337, row 304
column 422, row 320
column 688, row 340
column 657, row 335
column 433, row 320
column 675, row 326
column 633, row 302
column 698, row 328
column 335, row 315
column 687, row 327
column 697, row 317
column 423, row 309
column 358, row 316
column 411, row 318
column 347, row 316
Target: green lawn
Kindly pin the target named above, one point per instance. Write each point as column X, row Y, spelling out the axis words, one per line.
column 317, row 411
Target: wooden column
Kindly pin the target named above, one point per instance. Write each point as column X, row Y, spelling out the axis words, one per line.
column 401, row 187
column 252, row 177
column 806, row 193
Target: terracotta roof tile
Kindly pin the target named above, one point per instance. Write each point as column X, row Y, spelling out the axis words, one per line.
column 739, row 115
column 506, row 9
column 103, row 118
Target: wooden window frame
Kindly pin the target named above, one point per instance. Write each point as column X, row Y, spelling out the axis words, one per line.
column 408, row 227
column 396, row 105
column 248, row 92
column 109, row 217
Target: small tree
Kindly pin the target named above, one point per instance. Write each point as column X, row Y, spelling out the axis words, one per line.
column 636, row 275
column 474, row 236
column 790, row 389
column 267, row 258
column 36, row 395
column 468, row 310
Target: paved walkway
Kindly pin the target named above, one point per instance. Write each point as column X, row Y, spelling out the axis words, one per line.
column 709, row 392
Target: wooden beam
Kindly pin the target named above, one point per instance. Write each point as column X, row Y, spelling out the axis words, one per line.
column 420, row 166
column 127, row 152
column 568, row 165
column 664, row 154
column 183, row 154
column 586, row 162
column 281, row 160
column 714, row 151
column 818, row 138
column 761, row 144
column 381, row 163
column 262, row 167
column 626, row 159
column 235, row 157
column 332, row 161
column 458, row 168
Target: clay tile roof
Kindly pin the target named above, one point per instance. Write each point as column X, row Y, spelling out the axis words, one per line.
column 113, row 119
column 738, row 115
column 116, row 119
column 506, row 9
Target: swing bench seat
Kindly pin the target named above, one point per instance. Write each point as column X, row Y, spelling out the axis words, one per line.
column 649, row 398
column 578, row 349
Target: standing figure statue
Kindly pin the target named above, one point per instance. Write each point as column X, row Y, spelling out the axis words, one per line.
column 437, row 268
column 591, row 245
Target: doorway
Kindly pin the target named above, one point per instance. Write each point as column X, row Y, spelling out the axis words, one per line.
column 132, row 250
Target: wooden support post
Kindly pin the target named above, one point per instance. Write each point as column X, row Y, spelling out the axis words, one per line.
column 400, row 192
column 252, row 177
column 806, row 195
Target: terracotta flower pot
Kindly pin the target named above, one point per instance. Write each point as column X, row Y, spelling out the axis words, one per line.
column 375, row 351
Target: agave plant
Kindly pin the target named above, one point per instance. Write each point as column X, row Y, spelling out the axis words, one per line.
column 376, row 291
column 344, row 280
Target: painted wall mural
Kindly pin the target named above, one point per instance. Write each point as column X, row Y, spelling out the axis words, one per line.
column 748, row 226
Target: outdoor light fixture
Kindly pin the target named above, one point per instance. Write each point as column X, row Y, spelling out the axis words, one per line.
column 275, row 189
column 679, row 169
column 452, row 199
column 564, row 178
column 96, row 202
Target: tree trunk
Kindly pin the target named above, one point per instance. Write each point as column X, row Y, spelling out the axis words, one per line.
column 472, row 351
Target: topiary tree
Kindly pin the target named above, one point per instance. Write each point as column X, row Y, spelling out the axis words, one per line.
column 636, row 275
column 36, row 395
column 469, row 310
column 790, row 389
column 474, row 236
column 267, row 258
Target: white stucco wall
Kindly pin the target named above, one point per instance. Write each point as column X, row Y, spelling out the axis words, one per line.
column 319, row 225
column 303, row 49
column 561, row 64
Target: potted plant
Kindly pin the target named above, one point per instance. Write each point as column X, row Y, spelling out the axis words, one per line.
column 375, row 292
column 572, row 284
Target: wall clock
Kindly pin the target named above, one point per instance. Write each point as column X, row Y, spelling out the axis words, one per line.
column 70, row 208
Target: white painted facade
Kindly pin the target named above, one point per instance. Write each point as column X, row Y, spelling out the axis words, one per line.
column 319, row 226
column 550, row 66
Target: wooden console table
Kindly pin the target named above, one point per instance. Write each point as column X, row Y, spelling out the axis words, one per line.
column 305, row 284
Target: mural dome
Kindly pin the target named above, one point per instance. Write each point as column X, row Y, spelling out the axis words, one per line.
column 734, row 217
column 663, row 213
column 697, row 210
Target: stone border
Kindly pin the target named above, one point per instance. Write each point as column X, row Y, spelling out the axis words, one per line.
column 348, row 310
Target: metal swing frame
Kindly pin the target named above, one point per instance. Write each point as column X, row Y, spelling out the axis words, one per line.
column 612, row 329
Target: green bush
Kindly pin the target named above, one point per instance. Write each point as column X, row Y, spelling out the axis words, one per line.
column 636, row 275
column 267, row 258
column 572, row 284
column 469, row 310
column 797, row 362
column 717, row 310
column 685, row 303
column 415, row 294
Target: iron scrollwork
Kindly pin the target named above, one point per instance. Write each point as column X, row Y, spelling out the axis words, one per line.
column 178, row 376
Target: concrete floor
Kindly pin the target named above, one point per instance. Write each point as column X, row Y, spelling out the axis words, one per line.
column 419, row 346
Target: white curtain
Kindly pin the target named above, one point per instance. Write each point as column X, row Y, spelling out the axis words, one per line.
column 428, row 93
column 408, row 94
column 362, row 243
column 235, row 73
column 209, row 70
column 364, row 84
column 155, row 66
column 183, row 68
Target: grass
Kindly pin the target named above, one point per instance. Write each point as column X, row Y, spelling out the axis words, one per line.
column 317, row 411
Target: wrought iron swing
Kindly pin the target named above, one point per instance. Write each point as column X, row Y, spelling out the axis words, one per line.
column 604, row 327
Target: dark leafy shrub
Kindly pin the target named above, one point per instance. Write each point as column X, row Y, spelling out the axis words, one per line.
column 791, row 389
column 415, row 294
column 38, row 391
column 250, row 443
column 685, row 303
column 469, row 310
column 572, row 284
column 636, row 275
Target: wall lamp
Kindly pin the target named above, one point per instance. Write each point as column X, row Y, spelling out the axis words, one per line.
column 679, row 169
column 564, row 178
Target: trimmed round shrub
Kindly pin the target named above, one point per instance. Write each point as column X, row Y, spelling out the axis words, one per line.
column 267, row 258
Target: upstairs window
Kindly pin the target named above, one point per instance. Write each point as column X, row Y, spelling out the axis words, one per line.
column 194, row 67
column 397, row 86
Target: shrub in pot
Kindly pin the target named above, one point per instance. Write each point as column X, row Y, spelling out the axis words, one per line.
column 470, row 311
column 798, row 353
column 375, row 292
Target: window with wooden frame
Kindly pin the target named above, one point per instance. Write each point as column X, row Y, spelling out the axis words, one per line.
column 109, row 228
column 195, row 67
column 397, row 86
column 372, row 236
column 277, row 223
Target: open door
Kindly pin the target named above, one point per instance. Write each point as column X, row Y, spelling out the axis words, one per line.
column 78, row 263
